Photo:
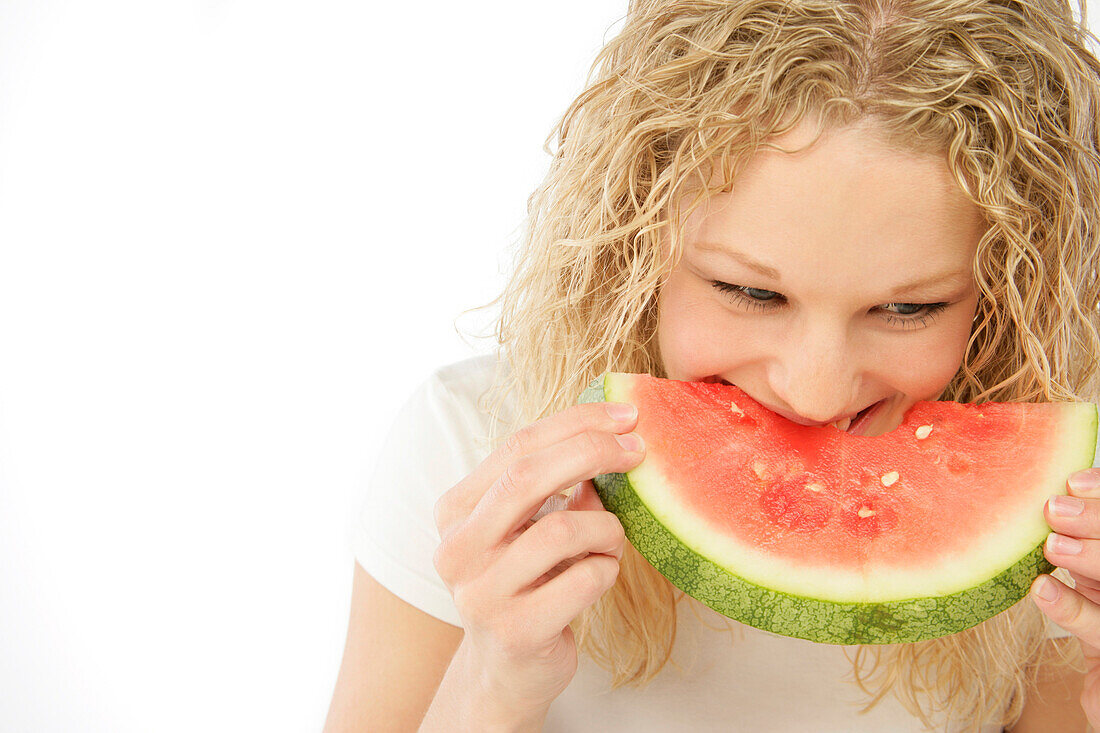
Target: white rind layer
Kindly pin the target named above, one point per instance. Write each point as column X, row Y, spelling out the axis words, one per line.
column 1009, row 538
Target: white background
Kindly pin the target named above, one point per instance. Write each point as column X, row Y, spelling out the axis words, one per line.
column 233, row 237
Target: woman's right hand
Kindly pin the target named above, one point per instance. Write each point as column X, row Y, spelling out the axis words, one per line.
column 519, row 579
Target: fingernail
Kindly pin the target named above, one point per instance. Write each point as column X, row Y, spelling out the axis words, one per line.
column 1066, row 506
column 630, row 441
column 1062, row 545
column 621, row 411
column 1085, row 481
column 1046, row 589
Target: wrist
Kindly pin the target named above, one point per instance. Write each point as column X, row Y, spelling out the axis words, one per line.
column 494, row 711
column 466, row 701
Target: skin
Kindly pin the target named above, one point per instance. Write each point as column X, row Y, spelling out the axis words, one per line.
column 843, row 223
column 1077, row 610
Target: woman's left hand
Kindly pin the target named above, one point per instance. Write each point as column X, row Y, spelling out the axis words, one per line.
column 1075, row 546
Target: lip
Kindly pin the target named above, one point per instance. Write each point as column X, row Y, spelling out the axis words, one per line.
column 875, row 407
column 809, row 423
column 861, row 426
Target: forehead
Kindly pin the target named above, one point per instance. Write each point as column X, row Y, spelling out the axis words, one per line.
column 849, row 206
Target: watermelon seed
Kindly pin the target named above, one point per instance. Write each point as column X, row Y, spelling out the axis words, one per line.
column 759, row 469
column 865, row 512
column 814, row 486
column 889, row 478
column 923, row 431
column 737, row 410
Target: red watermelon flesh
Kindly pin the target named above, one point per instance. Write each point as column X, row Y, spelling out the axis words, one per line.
column 818, row 533
column 822, row 493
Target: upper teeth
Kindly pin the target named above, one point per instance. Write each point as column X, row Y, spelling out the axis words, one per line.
column 842, row 424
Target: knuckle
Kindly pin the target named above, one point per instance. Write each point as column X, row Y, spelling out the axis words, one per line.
column 611, row 574
column 439, row 513
column 520, row 442
column 593, row 445
column 462, row 600
column 593, row 578
column 445, row 511
column 615, row 527
column 559, row 530
column 441, row 559
column 515, row 477
column 469, row 604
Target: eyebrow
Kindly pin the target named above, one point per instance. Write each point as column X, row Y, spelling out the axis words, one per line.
column 953, row 277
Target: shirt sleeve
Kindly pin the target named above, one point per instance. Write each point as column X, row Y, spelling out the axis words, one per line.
column 430, row 447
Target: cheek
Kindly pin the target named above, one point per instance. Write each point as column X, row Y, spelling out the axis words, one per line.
column 674, row 326
column 925, row 366
column 695, row 334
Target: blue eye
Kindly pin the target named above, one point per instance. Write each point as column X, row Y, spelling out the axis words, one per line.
column 764, row 300
column 749, row 297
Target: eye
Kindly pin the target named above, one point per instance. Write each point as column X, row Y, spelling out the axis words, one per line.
column 929, row 313
column 912, row 315
column 754, row 298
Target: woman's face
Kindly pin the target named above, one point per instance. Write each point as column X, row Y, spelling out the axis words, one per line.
column 837, row 257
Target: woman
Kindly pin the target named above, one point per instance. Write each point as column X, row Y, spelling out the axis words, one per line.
column 748, row 192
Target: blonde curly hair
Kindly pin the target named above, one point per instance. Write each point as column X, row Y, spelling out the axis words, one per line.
column 1005, row 90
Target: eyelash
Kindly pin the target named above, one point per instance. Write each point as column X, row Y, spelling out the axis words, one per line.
column 911, row 320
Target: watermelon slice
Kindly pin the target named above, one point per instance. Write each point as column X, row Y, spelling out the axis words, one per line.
column 814, row 533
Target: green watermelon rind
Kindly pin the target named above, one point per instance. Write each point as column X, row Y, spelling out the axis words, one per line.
column 823, row 621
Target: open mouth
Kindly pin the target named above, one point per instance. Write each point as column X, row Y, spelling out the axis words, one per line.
column 854, row 426
column 863, row 418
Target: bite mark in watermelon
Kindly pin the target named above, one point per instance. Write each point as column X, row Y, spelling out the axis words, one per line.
column 814, row 533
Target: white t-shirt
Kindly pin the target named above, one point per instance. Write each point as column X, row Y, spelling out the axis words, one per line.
column 751, row 680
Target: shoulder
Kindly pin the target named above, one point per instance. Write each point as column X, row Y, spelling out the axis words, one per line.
column 439, row 434
column 453, row 404
column 465, row 380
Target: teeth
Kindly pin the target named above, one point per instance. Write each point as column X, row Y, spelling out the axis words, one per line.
column 842, row 424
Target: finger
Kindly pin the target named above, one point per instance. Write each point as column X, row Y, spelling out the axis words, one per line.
column 1090, row 699
column 556, row 603
column 525, row 484
column 1070, row 610
column 1077, row 513
column 1085, row 484
column 556, row 539
column 1080, row 556
column 584, row 497
column 1090, row 593
column 580, row 496
column 1080, row 580
column 574, row 497
column 459, row 502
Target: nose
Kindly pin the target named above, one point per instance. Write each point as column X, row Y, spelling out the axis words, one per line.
column 816, row 374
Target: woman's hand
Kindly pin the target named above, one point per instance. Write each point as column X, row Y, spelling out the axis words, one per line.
column 1075, row 546
column 518, row 574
